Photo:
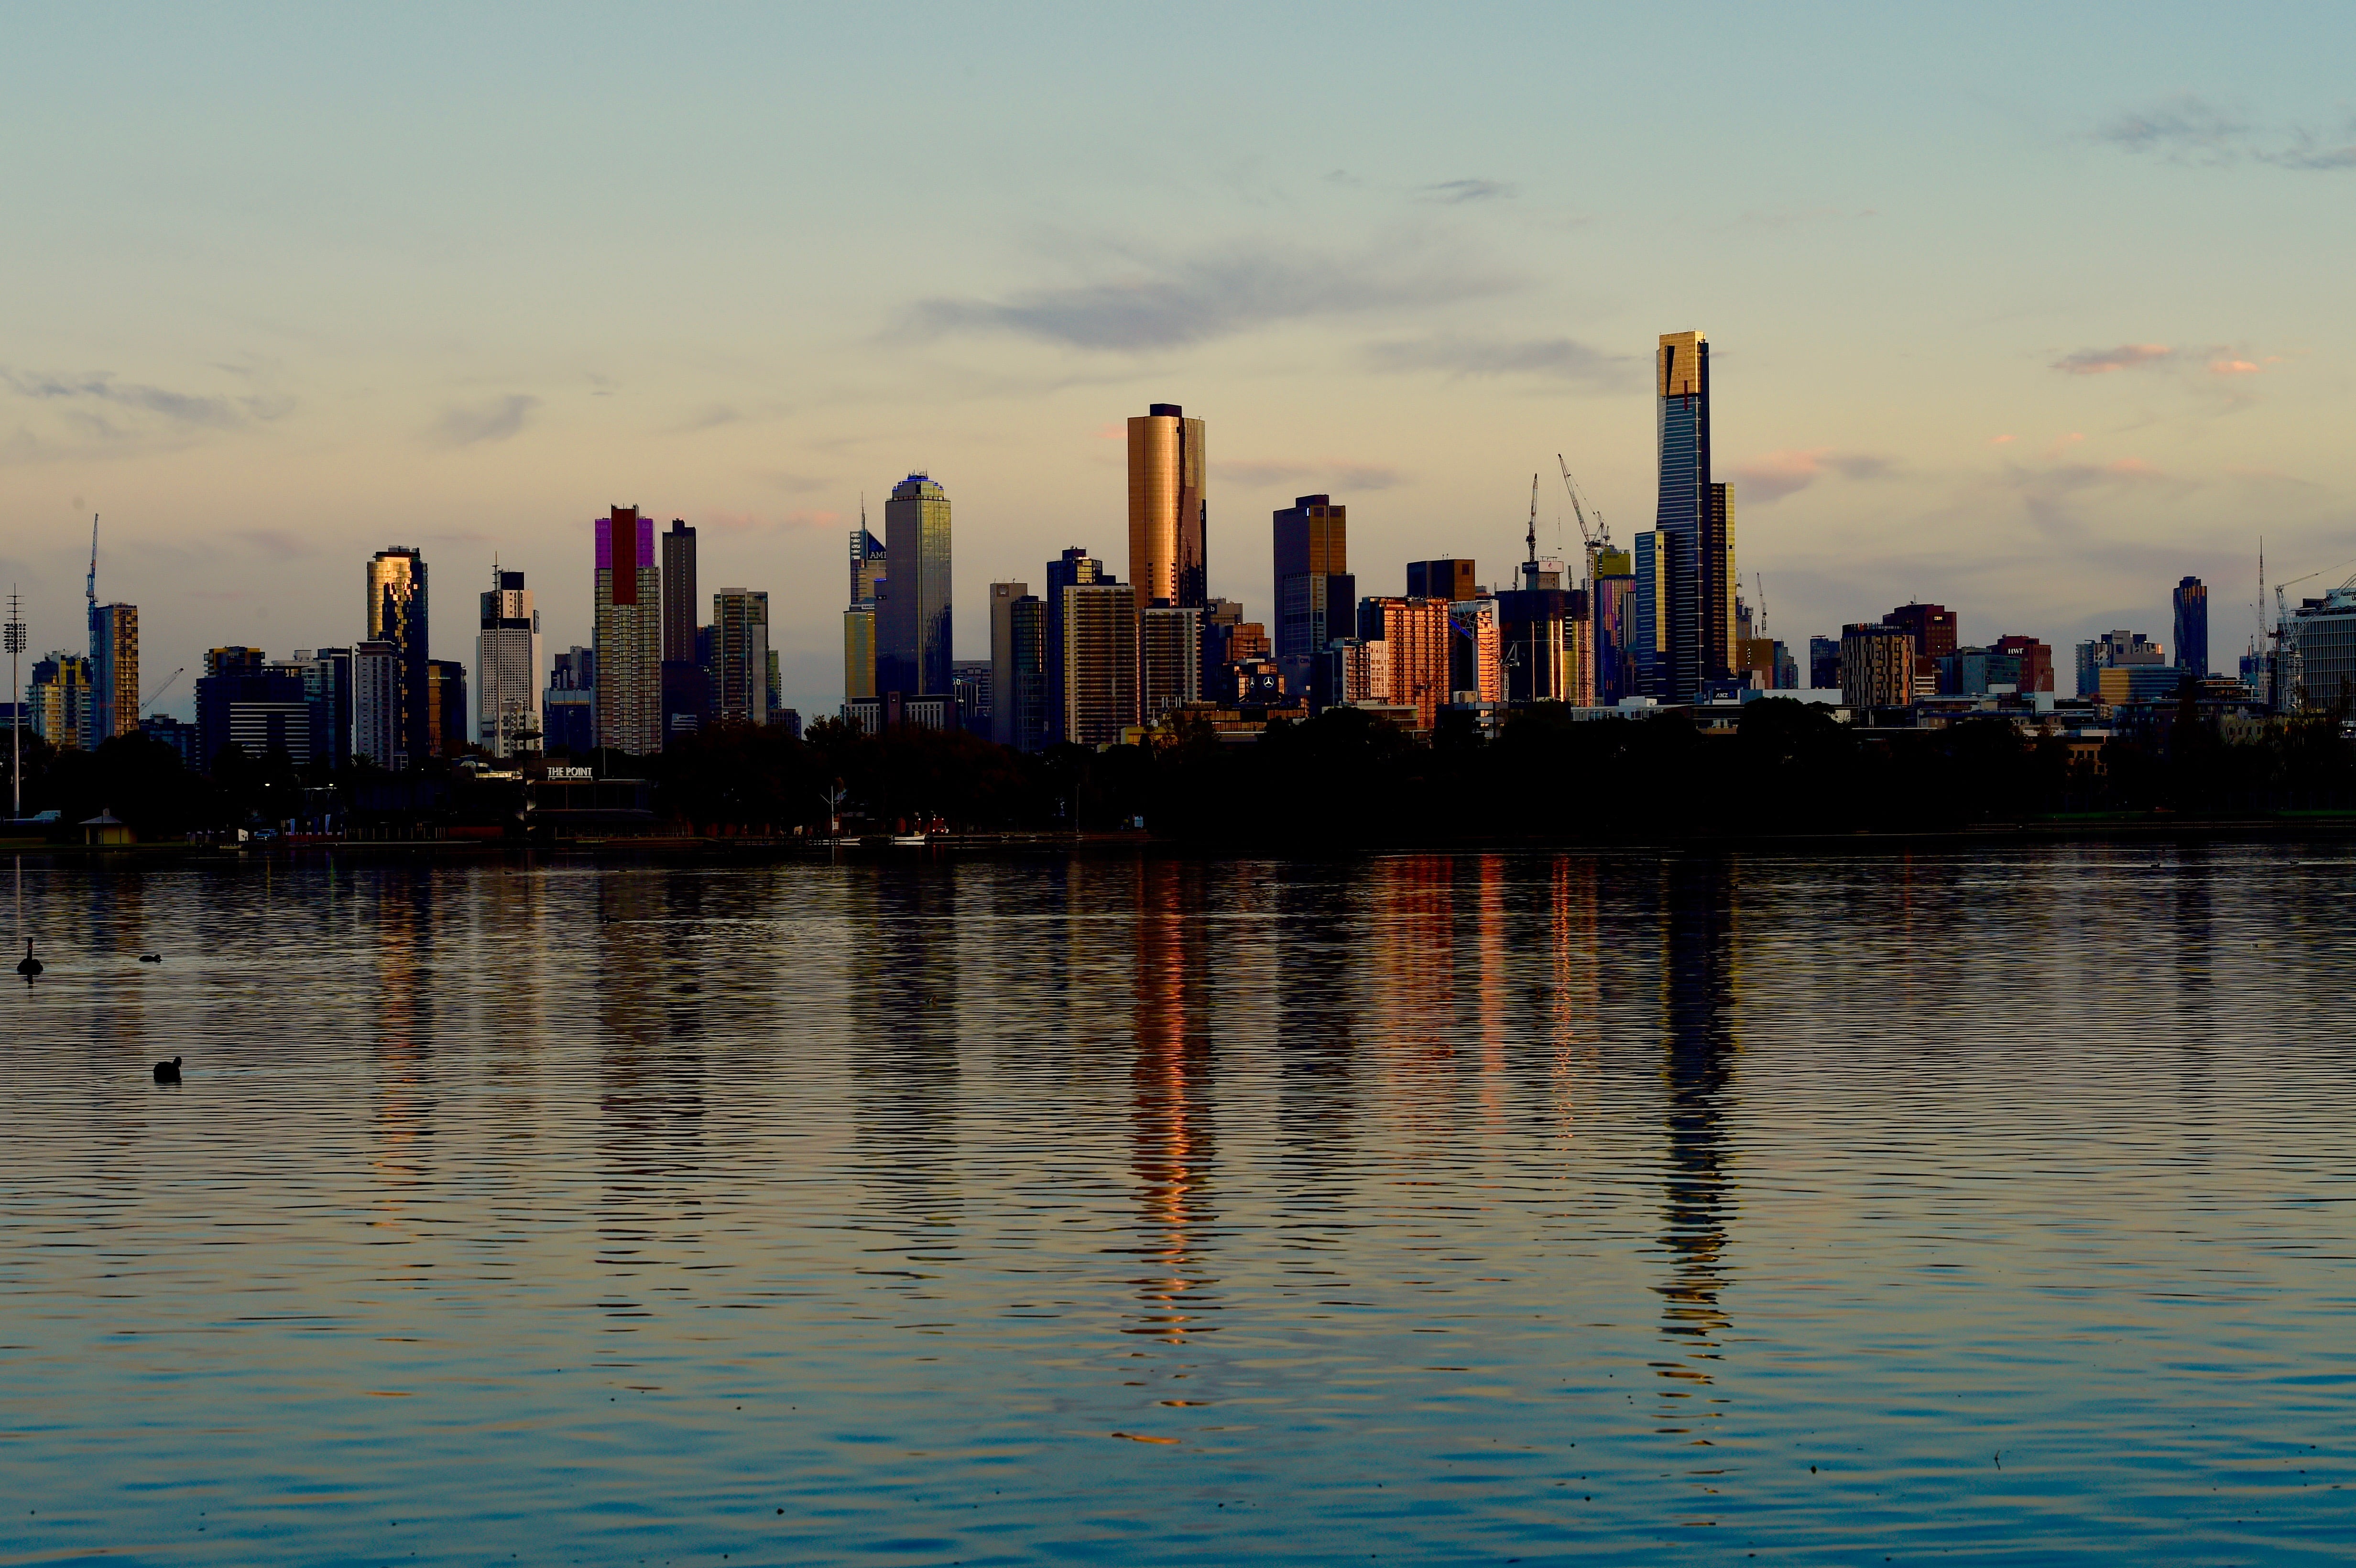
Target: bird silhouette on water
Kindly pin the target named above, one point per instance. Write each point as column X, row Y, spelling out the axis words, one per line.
column 31, row 965
column 168, row 1072
column 151, row 958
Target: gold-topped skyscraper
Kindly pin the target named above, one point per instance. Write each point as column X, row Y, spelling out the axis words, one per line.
column 1166, row 511
column 1691, row 555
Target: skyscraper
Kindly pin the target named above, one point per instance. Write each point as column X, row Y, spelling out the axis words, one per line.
column 1075, row 568
column 628, row 635
column 1167, row 516
column 1684, row 521
column 114, row 672
column 506, row 669
column 1169, row 658
column 376, row 703
column 1415, row 635
column 1877, row 665
column 1932, row 629
column 397, row 614
column 1098, row 673
column 1446, row 578
column 859, row 620
column 2192, row 627
column 445, row 704
column 912, row 602
column 327, row 691
column 1612, row 610
column 1720, row 634
column 740, row 657
column 1018, row 666
column 1316, row 596
column 679, row 593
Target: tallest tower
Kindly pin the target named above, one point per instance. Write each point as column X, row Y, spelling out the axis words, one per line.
column 1693, row 545
column 1166, row 513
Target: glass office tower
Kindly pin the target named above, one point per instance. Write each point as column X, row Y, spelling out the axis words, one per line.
column 912, row 602
column 397, row 614
column 1685, row 518
column 1167, row 516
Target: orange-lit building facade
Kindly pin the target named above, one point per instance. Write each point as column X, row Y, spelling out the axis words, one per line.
column 1415, row 633
column 1166, row 516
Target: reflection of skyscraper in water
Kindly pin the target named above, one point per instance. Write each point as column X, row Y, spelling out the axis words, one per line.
column 1171, row 1143
column 651, row 1080
column 1697, row 976
column 905, row 1077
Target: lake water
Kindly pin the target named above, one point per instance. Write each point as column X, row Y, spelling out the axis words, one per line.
column 1459, row 1208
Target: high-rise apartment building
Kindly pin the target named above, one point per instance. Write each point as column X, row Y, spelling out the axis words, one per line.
column 328, row 692
column 397, row 613
column 1656, row 561
column 740, row 657
column 1169, row 659
column 1096, row 676
column 57, row 699
column 678, row 604
column 1476, row 671
column 1415, row 633
column 1932, row 628
column 1316, row 595
column 376, row 703
column 1018, row 666
column 1685, row 522
column 1075, row 568
column 568, row 714
column 628, row 633
column 1167, row 514
column 1877, row 665
column 2191, row 600
column 114, row 672
column 912, row 600
column 1530, row 636
column 445, row 702
column 1721, row 613
column 506, row 669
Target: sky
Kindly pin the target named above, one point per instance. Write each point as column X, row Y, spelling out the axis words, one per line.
column 2025, row 310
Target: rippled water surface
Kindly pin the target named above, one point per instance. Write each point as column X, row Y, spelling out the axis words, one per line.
column 1439, row 1209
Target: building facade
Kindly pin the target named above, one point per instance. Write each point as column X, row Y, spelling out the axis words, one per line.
column 628, row 633
column 1877, row 665
column 1168, row 518
column 1018, row 666
column 1097, row 675
column 1169, row 659
column 740, row 656
column 452, row 716
column 2036, row 660
column 912, row 600
column 2191, row 605
column 1682, row 520
column 57, row 699
column 1316, row 594
column 114, row 672
column 1073, row 569
column 506, row 669
column 1446, row 578
column 397, row 613
column 1416, row 636
column 327, row 691
column 568, row 712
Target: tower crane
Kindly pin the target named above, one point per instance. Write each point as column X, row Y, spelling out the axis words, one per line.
column 149, row 701
column 1597, row 538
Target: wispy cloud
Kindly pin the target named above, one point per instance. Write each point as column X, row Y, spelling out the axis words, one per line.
column 100, row 390
column 2187, row 129
column 1339, row 475
column 470, row 425
column 1452, row 193
column 1199, row 299
column 1766, row 480
column 1561, row 358
column 2102, row 361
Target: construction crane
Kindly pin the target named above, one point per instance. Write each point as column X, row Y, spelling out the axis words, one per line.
column 1600, row 536
column 90, row 586
column 1533, row 537
column 149, row 701
column 1759, row 586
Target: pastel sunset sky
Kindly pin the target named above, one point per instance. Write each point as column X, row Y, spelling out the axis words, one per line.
column 2030, row 310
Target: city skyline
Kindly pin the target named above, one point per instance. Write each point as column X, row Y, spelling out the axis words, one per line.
column 2106, row 294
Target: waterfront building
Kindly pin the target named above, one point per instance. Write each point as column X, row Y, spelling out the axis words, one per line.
column 1685, row 576
column 2191, row 604
column 627, row 638
column 1095, row 628
column 1169, row 658
column 1877, row 665
column 398, row 609
column 1168, row 518
column 1446, row 578
column 912, row 602
column 445, row 702
column 740, row 657
column 376, row 703
column 1316, row 594
column 568, row 717
column 58, row 699
column 506, row 669
column 114, row 672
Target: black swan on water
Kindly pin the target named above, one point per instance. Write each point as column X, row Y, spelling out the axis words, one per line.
column 31, row 965
column 168, row 1072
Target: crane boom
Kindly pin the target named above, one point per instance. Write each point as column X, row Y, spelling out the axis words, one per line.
column 1599, row 535
column 149, row 701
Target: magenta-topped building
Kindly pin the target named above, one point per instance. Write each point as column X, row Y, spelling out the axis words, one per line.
column 628, row 635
